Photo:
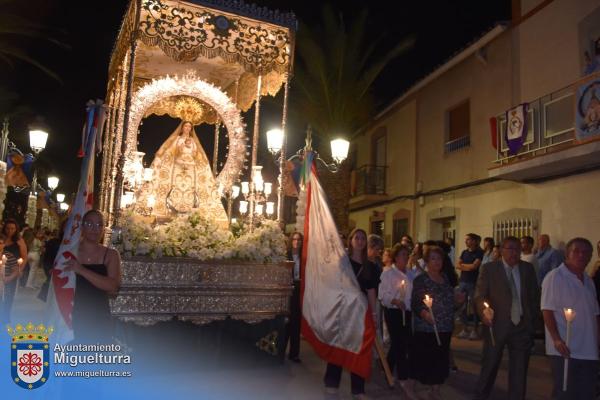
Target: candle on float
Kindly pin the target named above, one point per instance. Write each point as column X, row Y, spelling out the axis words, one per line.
column 491, row 311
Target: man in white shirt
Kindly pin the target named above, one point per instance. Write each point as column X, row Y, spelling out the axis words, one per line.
column 528, row 255
column 569, row 287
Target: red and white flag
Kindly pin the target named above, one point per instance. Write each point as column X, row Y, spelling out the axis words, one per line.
column 62, row 289
column 336, row 319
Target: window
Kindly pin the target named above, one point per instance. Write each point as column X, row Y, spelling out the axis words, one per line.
column 400, row 229
column 459, row 122
column 516, row 222
column 559, row 117
column 378, row 146
column 377, row 222
column 377, row 227
column 400, row 225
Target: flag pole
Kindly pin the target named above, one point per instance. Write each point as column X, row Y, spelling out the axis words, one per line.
column 383, row 359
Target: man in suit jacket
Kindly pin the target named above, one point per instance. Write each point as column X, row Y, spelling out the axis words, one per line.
column 509, row 286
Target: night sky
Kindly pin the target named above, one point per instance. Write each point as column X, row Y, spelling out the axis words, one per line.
column 89, row 29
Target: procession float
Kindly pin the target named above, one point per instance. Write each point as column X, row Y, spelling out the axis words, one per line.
column 185, row 258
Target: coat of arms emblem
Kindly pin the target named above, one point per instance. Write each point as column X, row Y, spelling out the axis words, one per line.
column 30, row 355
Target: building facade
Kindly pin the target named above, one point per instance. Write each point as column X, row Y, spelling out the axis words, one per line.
column 429, row 165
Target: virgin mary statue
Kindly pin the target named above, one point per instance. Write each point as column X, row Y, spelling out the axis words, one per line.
column 183, row 180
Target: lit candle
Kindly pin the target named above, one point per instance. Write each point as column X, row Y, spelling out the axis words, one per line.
column 235, row 191
column 429, row 303
column 569, row 316
column 403, row 296
column 259, row 186
column 245, row 187
column 270, row 208
column 20, row 261
column 490, row 311
column 268, row 188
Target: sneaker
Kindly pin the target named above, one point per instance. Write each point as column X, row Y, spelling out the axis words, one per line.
column 473, row 335
column 331, row 390
column 463, row 334
column 409, row 390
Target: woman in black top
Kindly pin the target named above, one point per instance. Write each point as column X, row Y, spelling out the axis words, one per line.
column 366, row 276
column 14, row 249
column 98, row 270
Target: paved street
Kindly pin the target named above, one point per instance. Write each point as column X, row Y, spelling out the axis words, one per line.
column 304, row 381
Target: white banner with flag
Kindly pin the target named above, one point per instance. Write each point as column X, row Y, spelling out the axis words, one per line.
column 336, row 319
column 62, row 289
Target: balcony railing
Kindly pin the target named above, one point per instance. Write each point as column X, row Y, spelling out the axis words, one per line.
column 369, row 179
column 550, row 122
column 457, row 144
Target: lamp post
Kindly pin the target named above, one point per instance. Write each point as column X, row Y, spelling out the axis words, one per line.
column 256, row 197
column 275, row 139
column 53, row 182
column 37, row 142
column 4, row 140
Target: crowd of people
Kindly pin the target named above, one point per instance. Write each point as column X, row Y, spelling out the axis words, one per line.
column 27, row 256
column 502, row 293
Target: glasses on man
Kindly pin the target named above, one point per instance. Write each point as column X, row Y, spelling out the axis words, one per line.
column 92, row 225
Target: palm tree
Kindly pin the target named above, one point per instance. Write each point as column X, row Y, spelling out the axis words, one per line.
column 336, row 67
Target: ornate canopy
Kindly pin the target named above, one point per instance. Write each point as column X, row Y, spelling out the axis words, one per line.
column 200, row 60
column 226, row 43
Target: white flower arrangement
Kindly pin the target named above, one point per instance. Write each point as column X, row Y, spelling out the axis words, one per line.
column 197, row 236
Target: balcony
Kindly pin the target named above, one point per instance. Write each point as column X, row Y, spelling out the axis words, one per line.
column 457, row 144
column 550, row 148
column 367, row 185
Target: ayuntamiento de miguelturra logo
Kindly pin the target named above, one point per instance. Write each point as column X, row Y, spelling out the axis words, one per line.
column 30, row 355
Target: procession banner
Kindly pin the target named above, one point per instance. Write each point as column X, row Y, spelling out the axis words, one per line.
column 587, row 115
column 62, row 290
column 516, row 127
column 336, row 319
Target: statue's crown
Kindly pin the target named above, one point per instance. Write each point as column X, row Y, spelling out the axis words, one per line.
column 29, row 332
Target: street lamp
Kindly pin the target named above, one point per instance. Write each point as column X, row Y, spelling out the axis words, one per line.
column 64, row 206
column 275, row 140
column 339, row 150
column 53, row 182
column 37, row 140
column 339, row 153
column 60, row 197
